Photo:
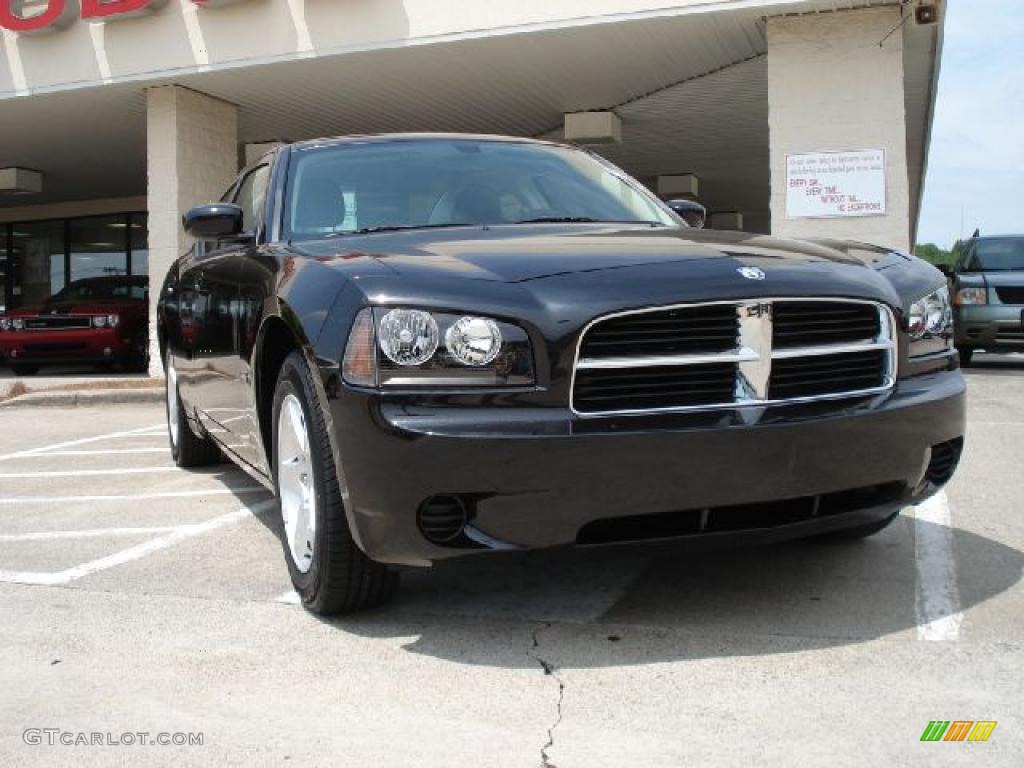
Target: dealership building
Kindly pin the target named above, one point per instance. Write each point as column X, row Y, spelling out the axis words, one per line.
column 785, row 117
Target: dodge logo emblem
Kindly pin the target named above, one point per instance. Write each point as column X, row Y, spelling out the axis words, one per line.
column 751, row 273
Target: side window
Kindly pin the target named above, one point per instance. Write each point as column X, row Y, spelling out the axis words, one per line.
column 970, row 259
column 251, row 196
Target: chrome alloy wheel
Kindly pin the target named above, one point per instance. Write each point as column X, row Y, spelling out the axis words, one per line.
column 295, row 482
column 172, row 403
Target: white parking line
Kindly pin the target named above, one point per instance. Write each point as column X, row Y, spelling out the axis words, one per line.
column 938, row 597
column 91, row 533
column 88, row 472
column 132, row 553
column 113, row 452
column 82, row 441
column 134, row 497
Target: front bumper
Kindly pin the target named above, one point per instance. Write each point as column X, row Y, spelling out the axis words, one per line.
column 538, row 478
column 79, row 345
column 990, row 326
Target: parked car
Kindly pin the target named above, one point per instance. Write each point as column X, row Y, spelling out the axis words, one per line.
column 97, row 320
column 988, row 295
column 440, row 346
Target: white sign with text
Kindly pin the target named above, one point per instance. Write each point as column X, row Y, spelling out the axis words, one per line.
column 828, row 184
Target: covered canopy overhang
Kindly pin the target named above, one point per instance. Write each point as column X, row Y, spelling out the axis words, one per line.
column 689, row 84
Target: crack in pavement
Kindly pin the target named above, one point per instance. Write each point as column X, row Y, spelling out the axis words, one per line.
column 549, row 669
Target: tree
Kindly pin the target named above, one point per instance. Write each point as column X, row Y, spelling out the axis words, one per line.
column 932, row 253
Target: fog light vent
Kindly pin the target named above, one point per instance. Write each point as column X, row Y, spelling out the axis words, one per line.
column 944, row 461
column 442, row 518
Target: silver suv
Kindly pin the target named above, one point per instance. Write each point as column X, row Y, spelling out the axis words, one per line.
column 988, row 293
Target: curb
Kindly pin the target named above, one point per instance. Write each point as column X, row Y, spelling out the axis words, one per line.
column 86, row 397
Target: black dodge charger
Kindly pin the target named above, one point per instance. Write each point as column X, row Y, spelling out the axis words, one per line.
column 432, row 346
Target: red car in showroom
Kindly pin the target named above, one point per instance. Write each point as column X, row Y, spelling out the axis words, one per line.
column 94, row 321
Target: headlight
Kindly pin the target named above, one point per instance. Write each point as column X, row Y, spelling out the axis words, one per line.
column 100, row 321
column 972, row 296
column 18, row 324
column 402, row 348
column 113, row 320
column 473, row 341
column 5, row 324
column 408, row 336
column 931, row 316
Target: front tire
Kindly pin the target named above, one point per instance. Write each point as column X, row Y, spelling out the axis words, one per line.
column 187, row 448
column 966, row 355
column 857, row 533
column 24, row 369
column 328, row 570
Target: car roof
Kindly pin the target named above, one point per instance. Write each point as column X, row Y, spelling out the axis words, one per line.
column 999, row 237
column 383, row 138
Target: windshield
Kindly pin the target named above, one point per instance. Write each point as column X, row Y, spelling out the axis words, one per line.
column 100, row 290
column 999, row 255
column 370, row 186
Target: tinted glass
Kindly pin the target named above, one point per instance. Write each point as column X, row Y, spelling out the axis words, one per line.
column 252, row 194
column 4, row 269
column 39, row 246
column 440, row 182
column 138, row 233
column 99, row 246
column 1002, row 254
column 102, row 290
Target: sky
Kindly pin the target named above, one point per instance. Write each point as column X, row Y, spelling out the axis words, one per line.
column 976, row 161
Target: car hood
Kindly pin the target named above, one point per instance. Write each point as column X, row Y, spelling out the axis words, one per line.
column 521, row 253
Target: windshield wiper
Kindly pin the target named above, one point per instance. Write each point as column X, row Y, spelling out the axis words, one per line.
column 585, row 220
column 395, row 228
column 559, row 220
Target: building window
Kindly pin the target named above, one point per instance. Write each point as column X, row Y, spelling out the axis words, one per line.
column 99, row 246
column 39, row 258
column 38, row 247
column 138, row 243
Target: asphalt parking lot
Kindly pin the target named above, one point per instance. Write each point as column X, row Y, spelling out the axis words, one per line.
column 135, row 597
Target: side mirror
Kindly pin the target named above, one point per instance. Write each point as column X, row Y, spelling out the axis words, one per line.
column 213, row 221
column 692, row 213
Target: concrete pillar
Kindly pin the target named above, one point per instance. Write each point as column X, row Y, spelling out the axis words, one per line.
column 192, row 157
column 833, row 88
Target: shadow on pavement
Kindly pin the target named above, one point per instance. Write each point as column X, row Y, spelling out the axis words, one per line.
column 622, row 607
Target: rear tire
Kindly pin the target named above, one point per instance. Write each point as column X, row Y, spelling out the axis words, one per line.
column 187, row 448
column 328, row 570
column 857, row 533
column 23, row 369
column 966, row 355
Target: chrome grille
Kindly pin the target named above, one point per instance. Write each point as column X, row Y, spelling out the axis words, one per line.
column 736, row 353
column 675, row 331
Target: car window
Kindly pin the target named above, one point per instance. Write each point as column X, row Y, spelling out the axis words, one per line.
column 357, row 186
column 99, row 289
column 1002, row 254
column 251, row 196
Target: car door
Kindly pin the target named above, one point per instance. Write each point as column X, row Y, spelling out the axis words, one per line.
column 205, row 361
column 254, row 284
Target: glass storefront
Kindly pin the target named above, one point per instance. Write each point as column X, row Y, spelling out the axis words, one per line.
column 38, row 258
